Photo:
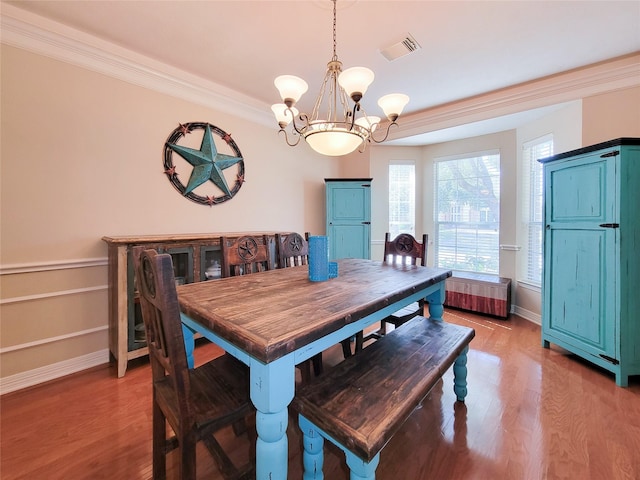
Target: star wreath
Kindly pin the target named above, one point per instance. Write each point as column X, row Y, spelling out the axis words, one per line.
column 208, row 164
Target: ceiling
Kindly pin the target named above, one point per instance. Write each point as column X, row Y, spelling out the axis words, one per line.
column 467, row 48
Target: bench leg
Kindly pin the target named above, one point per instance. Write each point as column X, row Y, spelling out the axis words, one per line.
column 361, row 470
column 313, row 453
column 460, row 375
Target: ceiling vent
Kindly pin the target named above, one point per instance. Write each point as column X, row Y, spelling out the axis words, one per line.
column 404, row 47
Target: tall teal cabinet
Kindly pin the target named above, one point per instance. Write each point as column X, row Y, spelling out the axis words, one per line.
column 591, row 284
column 348, row 210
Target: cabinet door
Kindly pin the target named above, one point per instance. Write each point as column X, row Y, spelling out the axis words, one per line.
column 182, row 258
column 580, row 254
column 210, row 262
column 349, row 219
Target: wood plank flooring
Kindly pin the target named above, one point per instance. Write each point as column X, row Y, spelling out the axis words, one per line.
column 531, row 413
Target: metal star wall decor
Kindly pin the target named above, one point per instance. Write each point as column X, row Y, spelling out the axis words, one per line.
column 211, row 170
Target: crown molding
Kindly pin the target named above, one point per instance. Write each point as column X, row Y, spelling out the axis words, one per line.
column 614, row 74
column 45, row 37
column 40, row 35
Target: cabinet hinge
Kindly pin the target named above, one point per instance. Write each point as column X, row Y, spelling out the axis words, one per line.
column 366, row 185
column 609, row 225
column 610, row 154
column 609, row 359
column 366, row 223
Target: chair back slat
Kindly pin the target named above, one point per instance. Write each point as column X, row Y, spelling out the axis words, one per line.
column 245, row 255
column 161, row 315
column 293, row 250
column 405, row 249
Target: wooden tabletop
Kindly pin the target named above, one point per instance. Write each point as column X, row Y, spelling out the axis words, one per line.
column 271, row 314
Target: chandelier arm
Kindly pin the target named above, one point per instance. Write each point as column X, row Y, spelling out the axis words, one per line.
column 303, row 118
column 286, row 138
column 363, row 146
column 386, row 135
column 356, row 108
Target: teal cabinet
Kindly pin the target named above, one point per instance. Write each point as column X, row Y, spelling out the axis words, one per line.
column 348, row 210
column 590, row 303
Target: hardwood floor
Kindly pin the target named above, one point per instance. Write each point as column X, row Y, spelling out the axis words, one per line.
column 531, row 413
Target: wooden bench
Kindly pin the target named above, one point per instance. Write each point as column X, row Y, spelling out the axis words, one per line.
column 362, row 402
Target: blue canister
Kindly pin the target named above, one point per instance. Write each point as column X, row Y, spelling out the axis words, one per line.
column 318, row 258
column 333, row 269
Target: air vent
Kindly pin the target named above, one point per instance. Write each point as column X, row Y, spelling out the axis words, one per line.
column 404, row 47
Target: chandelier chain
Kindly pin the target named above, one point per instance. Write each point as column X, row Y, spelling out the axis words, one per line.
column 335, row 55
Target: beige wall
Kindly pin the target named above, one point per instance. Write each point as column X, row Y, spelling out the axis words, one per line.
column 611, row 115
column 82, row 158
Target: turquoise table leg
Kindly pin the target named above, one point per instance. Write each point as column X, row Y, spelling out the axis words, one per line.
column 272, row 387
column 189, row 344
column 460, row 375
column 361, row 470
column 436, row 301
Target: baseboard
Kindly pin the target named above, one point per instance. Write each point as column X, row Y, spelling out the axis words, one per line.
column 53, row 371
column 528, row 315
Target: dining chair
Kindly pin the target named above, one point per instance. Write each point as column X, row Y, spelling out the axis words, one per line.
column 406, row 250
column 293, row 251
column 245, row 255
column 196, row 403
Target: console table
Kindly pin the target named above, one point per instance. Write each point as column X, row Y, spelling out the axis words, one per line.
column 192, row 254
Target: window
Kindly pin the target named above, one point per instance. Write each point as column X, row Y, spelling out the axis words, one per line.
column 402, row 198
column 467, row 217
column 531, row 270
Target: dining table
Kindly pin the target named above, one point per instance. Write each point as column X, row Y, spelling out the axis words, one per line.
column 276, row 319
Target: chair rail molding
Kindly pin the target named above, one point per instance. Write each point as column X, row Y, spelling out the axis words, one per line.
column 32, row 267
column 60, row 293
column 57, row 338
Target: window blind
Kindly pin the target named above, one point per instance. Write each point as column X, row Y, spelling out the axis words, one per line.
column 467, row 217
column 402, row 195
column 532, row 209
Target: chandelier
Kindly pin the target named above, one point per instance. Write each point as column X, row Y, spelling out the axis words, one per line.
column 332, row 128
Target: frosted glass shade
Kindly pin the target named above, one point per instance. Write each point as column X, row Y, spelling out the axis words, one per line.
column 393, row 104
column 291, row 88
column 283, row 115
column 356, row 80
column 369, row 122
column 333, row 143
